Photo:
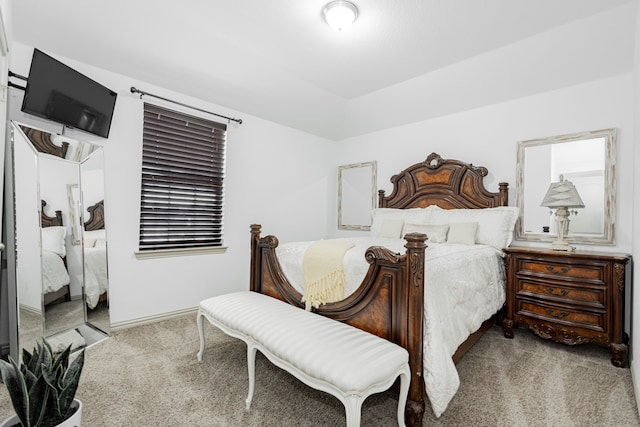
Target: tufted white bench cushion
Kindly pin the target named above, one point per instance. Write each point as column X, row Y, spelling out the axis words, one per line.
column 323, row 353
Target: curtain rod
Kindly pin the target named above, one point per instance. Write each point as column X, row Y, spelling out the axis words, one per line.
column 134, row 90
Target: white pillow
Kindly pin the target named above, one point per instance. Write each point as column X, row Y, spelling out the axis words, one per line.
column 463, row 233
column 380, row 217
column 53, row 240
column 435, row 233
column 92, row 237
column 495, row 225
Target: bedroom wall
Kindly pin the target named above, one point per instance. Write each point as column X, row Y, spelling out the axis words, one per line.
column 635, row 296
column 488, row 137
column 276, row 176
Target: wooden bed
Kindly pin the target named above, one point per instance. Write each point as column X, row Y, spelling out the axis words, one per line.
column 52, row 221
column 390, row 300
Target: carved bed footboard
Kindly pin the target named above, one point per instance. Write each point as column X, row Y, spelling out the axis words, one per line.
column 389, row 302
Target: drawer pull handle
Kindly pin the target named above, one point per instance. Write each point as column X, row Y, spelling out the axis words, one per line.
column 557, row 314
column 562, row 293
column 562, row 269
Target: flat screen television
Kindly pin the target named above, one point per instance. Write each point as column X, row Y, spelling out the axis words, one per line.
column 57, row 92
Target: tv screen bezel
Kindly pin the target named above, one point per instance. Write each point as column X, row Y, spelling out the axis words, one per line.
column 73, row 75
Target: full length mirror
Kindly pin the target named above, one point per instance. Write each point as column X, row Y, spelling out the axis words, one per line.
column 587, row 159
column 60, row 266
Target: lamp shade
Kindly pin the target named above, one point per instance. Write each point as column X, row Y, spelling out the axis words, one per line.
column 340, row 14
column 562, row 194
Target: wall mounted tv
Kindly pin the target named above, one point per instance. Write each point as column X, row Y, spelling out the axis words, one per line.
column 57, row 92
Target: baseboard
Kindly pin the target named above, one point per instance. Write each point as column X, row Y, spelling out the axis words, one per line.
column 118, row 326
column 634, row 382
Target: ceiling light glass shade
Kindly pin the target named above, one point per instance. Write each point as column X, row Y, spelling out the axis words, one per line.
column 340, row 14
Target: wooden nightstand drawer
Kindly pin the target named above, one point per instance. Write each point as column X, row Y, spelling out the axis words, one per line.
column 592, row 296
column 594, row 274
column 592, row 320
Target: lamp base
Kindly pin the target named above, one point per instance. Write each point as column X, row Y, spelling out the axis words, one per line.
column 562, row 245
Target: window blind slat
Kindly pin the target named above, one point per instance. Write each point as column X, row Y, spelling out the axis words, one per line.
column 182, row 192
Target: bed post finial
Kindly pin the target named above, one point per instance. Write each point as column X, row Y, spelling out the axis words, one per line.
column 255, row 278
column 504, row 193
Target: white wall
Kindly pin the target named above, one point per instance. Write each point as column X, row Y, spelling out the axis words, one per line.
column 488, row 137
column 635, row 300
column 275, row 176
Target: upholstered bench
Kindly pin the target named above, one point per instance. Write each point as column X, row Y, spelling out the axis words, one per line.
column 323, row 353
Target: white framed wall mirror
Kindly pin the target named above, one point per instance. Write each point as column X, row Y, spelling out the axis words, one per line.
column 587, row 159
column 356, row 195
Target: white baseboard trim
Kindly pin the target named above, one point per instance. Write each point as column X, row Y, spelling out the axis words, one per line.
column 634, row 382
column 118, row 326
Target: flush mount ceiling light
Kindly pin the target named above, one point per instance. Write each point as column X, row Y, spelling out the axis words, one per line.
column 340, row 14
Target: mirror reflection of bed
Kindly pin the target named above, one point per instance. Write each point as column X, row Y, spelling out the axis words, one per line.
column 96, row 281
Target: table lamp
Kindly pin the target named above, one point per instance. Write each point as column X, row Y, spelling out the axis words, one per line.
column 562, row 195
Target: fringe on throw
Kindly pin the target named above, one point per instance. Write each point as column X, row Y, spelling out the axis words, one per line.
column 329, row 288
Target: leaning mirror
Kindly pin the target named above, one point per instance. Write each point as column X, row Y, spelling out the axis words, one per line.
column 587, row 159
column 60, row 271
column 356, row 195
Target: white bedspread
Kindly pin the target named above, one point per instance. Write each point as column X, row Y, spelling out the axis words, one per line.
column 464, row 286
column 54, row 273
column 95, row 274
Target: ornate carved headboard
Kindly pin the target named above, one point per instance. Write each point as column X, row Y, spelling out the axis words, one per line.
column 49, row 221
column 96, row 217
column 448, row 184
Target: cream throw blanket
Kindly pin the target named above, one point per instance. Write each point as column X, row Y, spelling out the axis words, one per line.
column 324, row 278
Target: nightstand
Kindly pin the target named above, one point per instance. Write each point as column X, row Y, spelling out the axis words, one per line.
column 569, row 297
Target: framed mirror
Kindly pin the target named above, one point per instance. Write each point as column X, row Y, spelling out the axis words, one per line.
column 587, row 159
column 356, row 195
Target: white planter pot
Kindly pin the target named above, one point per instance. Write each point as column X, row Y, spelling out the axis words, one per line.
column 74, row 421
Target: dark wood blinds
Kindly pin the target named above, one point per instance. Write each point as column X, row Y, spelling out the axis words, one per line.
column 183, row 161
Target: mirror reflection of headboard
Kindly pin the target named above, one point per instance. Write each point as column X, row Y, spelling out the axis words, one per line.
column 49, row 221
column 96, row 217
column 41, row 140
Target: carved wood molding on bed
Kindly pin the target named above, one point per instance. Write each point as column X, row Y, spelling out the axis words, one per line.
column 49, row 221
column 390, row 300
column 96, row 217
column 449, row 184
column 41, row 140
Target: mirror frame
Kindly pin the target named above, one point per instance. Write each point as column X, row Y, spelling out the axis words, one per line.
column 608, row 236
column 342, row 193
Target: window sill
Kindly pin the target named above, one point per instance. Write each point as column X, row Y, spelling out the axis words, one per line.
column 164, row 253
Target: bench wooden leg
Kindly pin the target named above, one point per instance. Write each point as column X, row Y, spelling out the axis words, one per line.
column 251, row 365
column 201, row 332
column 405, row 380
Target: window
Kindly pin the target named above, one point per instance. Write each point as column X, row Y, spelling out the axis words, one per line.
column 182, row 197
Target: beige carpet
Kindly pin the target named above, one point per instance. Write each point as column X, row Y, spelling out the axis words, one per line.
column 149, row 376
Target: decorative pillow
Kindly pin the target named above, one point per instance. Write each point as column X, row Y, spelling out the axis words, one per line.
column 463, row 233
column 495, row 225
column 382, row 215
column 92, row 237
column 435, row 233
column 53, row 240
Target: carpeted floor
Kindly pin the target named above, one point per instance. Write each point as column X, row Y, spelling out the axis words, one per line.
column 149, row 376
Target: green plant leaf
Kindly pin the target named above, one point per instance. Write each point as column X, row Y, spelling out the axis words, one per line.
column 17, row 388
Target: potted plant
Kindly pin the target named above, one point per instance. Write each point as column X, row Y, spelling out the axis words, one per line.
column 43, row 387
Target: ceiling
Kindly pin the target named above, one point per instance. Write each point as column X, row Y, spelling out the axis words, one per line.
column 277, row 59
